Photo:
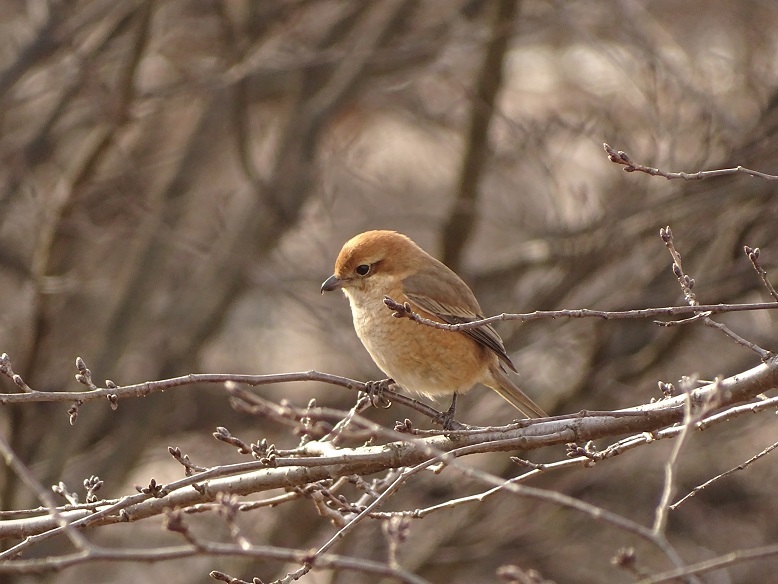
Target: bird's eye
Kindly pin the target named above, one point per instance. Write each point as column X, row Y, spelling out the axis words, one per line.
column 362, row 270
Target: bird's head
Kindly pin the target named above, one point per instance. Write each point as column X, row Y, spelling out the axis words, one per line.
column 374, row 261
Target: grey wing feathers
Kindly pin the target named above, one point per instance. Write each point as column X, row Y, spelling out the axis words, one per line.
column 454, row 303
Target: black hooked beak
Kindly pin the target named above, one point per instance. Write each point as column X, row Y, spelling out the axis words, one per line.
column 330, row 284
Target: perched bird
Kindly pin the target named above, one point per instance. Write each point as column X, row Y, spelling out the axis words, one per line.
column 430, row 361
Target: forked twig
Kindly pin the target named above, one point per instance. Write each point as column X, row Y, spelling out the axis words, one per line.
column 687, row 283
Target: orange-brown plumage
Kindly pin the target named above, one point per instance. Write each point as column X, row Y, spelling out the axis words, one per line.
column 430, row 361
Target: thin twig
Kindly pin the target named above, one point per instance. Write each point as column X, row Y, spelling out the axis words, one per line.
column 378, row 501
column 112, row 393
column 743, row 342
column 597, row 513
column 44, row 496
column 729, row 413
column 753, row 256
column 621, row 157
column 741, row 466
column 662, row 508
column 722, row 561
column 687, row 283
column 405, row 311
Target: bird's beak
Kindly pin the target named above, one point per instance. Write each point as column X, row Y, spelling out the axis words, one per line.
column 330, row 284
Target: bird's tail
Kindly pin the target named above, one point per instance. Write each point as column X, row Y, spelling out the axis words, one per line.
column 512, row 394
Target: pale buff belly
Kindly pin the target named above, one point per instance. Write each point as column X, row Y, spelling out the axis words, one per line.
column 421, row 359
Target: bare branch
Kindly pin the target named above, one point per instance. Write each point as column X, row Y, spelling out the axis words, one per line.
column 621, row 157
column 709, row 482
column 753, row 255
column 687, row 283
column 405, row 311
column 113, row 392
column 62, row 520
column 689, row 418
column 722, row 561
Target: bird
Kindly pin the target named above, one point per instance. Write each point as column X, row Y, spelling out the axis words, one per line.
column 426, row 360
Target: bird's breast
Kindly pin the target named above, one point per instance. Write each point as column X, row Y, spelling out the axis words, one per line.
column 418, row 357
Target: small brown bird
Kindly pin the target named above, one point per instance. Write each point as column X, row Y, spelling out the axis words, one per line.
column 430, row 361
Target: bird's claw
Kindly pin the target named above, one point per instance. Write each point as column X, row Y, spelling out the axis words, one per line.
column 375, row 391
column 446, row 419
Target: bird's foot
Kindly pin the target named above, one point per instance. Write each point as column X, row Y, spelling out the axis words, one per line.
column 446, row 419
column 375, row 391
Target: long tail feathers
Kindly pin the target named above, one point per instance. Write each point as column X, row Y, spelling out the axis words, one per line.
column 517, row 398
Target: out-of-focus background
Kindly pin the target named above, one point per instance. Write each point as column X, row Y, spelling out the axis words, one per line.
column 177, row 177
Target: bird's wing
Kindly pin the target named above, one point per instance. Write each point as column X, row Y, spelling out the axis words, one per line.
column 453, row 303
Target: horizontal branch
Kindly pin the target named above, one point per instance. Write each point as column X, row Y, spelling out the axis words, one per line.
column 114, row 393
column 621, row 157
column 149, row 387
column 405, row 311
